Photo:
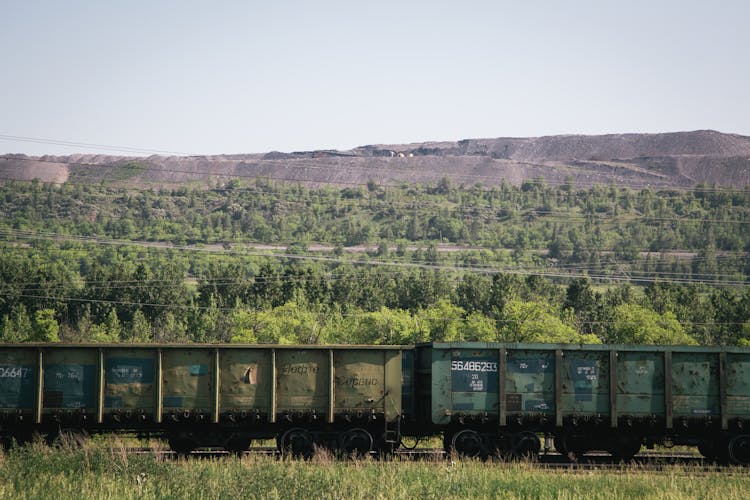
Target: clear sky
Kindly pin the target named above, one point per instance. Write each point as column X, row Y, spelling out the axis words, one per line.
column 248, row 76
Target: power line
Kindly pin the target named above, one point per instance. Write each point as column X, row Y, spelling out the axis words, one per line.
column 251, row 278
column 635, row 274
column 105, row 147
column 345, row 315
column 253, row 245
column 417, row 265
column 281, row 247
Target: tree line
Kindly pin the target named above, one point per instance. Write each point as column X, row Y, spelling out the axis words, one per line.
column 134, row 295
column 67, row 271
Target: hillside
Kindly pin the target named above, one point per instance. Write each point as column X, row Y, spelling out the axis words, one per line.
column 680, row 159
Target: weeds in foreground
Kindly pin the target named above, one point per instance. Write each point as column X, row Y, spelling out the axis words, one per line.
column 105, row 469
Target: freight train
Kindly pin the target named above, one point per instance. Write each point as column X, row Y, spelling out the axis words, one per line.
column 485, row 399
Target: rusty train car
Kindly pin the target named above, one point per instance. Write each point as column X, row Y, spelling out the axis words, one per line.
column 483, row 398
column 344, row 397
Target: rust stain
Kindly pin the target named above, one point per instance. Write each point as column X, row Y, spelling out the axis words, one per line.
column 250, row 375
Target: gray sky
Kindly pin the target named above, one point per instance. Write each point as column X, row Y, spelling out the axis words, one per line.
column 247, row 76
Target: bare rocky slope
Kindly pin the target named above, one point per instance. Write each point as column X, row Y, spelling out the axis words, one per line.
column 679, row 160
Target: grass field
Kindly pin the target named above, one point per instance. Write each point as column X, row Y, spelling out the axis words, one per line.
column 104, row 470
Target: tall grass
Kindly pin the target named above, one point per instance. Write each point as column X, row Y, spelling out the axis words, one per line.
column 105, row 470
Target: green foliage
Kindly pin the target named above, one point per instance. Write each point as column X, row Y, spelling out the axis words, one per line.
column 244, row 326
column 65, row 286
column 127, row 171
column 533, row 322
column 16, row 326
column 385, row 326
column 441, row 322
column 744, row 339
column 575, row 226
column 140, row 329
column 106, row 470
column 88, row 330
column 634, row 324
column 112, row 325
column 581, row 299
column 480, row 328
column 45, row 328
column 170, row 328
column 290, row 323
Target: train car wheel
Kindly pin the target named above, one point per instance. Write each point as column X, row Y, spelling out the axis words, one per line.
column 356, row 442
column 739, row 449
column 526, row 446
column 297, row 442
column 468, row 443
column 568, row 447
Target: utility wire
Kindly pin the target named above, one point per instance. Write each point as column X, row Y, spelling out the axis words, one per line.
column 357, row 314
column 417, row 265
column 604, row 253
column 106, row 147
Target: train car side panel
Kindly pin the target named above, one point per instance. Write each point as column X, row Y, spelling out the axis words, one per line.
column 129, row 380
column 245, row 380
column 367, row 382
column 585, row 384
column 359, row 382
column 640, row 383
column 423, row 386
column 440, row 384
column 70, row 380
column 738, row 385
column 695, row 384
column 18, row 372
column 302, row 381
column 474, row 380
column 186, row 380
column 530, row 381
